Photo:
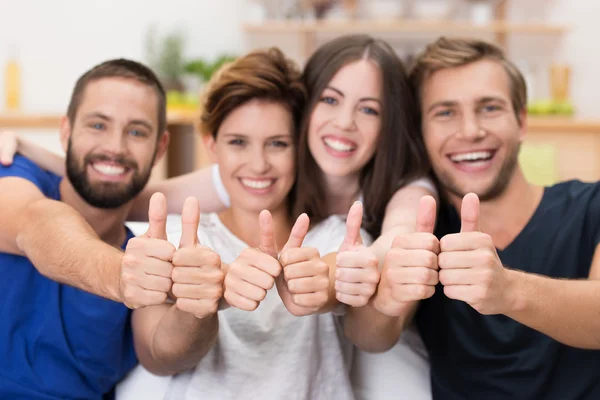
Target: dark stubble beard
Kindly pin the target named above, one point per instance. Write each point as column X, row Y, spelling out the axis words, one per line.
column 498, row 186
column 106, row 195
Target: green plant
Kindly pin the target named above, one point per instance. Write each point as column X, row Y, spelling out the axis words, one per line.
column 204, row 69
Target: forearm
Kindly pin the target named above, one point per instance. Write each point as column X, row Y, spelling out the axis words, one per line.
column 42, row 157
column 179, row 342
column 566, row 310
column 373, row 331
column 58, row 241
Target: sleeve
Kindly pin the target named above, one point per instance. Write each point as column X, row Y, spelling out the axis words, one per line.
column 425, row 183
column 23, row 168
column 219, row 187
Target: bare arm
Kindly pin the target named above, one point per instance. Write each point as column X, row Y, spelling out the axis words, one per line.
column 366, row 327
column 566, row 310
column 10, row 144
column 169, row 341
column 57, row 240
column 198, row 184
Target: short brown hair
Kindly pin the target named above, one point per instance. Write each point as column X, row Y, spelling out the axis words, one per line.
column 120, row 68
column 447, row 53
column 400, row 155
column 261, row 74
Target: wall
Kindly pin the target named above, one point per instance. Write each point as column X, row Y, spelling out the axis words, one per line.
column 57, row 40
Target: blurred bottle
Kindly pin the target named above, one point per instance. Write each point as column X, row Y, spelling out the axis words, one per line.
column 12, row 83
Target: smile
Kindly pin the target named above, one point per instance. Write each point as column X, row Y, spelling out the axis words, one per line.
column 110, row 170
column 339, row 146
column 258, row 184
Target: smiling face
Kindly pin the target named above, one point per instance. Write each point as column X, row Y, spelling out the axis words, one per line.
column 470, row 129
column 254, row 148
column 345, row 123
column 112, row 143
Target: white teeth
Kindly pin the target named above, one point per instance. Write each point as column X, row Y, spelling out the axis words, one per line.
column 112, row 170
column 475, row 156
column 257, row 184
column 338, row 145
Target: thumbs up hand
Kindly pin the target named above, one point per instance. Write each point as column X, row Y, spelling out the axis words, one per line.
column 470, row 269
column 357, row 272
column 146, row 266
column 304, row 284
column 253, row 273
column 197, row 274
column 410, row 270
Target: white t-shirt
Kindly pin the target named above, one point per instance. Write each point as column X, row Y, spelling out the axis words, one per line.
column 264, row 354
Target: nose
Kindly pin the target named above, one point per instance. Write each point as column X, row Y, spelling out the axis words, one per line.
column 115, row 142
column 259, row 163
column 470, row 129
column 344, row 118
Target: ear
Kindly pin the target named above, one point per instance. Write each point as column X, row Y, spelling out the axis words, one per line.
column 522, row 125
column 211, row 147
column 163, row 145
column 65, row 132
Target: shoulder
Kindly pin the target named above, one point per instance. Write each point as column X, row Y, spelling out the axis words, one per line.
column 574, row 195
column 24, row 168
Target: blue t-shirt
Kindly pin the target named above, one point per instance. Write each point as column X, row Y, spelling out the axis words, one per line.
column 56, row 342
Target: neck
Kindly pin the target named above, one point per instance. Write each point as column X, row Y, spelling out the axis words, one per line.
column 244, row 224
column 342, row 191
column 108, row 224
column 505, row 216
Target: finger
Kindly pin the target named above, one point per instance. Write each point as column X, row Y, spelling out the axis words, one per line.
column 147, row 265
column 190, row 219
column 465, row 241
column 426, row 215
column 308, row 285
column 306, row 269
column 468, row 259
column 9, row 148
column 353, row 223
column 245, row 289
column 157, row 217
column 357, row 275
column 417, row 240
column 469, row 213
column 356, row 259
column 267, row 234
column 352, row 300
column 251, row 275
column 299, row 231
column 197, row 275
column 235, row 300
column 138, row 298
column 195, row 291
column 459, row 277
column 414, row 275
column 400, row 258
column 298, row 254
column 156, row 283
column 256, row 258
column 412, row 292
column 357, row 289
column 143, row 249
column 310, row 300
column 196, row 257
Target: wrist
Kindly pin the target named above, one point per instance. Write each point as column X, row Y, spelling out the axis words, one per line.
column 516, row 293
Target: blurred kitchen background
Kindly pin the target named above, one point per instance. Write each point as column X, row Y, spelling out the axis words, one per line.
column 45, row 45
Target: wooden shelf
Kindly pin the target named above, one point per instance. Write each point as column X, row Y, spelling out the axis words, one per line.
column 52, row 121
column 402, row 26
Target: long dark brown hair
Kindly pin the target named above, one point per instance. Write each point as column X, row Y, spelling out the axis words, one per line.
column 400, row 155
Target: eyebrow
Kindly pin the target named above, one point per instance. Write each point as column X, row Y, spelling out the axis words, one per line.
column 104, row 117
column 453, row 103
column 240, row 135
column 361, row 99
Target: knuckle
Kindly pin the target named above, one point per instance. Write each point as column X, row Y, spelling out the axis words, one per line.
column 430, row 260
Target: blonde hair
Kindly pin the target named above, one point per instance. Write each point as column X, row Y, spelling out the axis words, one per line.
column 447, row 53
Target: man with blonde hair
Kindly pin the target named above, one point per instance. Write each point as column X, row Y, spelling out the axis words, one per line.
column 514, row 306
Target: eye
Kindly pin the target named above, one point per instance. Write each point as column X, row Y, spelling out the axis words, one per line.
column 328, row 100
column 279, row 144
column 369, row 111
column 237, row 142
column 97, row 126
column 138, row 133
column 444, row 113
column 490, row 108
